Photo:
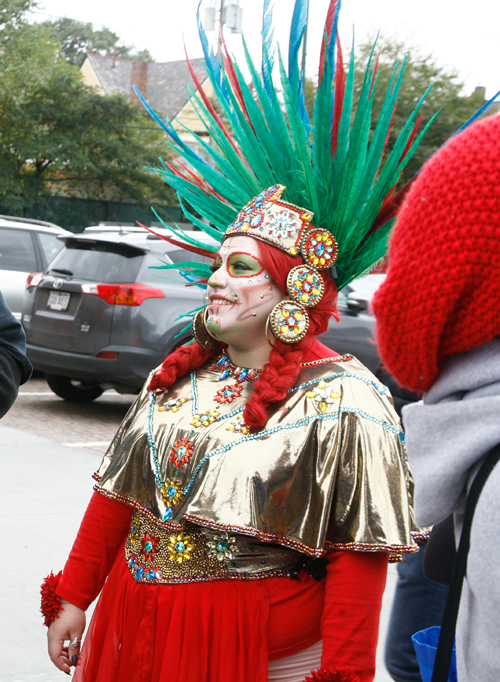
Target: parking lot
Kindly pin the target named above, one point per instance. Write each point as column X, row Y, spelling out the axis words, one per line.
column 80, row 425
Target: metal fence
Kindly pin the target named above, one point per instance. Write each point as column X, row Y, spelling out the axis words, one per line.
column 77, row 214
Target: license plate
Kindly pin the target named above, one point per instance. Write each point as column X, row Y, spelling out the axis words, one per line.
column 58, row 301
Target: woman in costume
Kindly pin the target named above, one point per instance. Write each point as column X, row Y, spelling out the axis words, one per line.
column 247, row 508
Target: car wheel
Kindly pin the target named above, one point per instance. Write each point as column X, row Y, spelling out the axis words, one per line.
column 73, row 390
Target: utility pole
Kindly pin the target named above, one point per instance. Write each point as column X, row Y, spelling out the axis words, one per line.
column 229, row 13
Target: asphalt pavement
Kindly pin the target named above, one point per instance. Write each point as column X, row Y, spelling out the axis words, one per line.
column 46, row 486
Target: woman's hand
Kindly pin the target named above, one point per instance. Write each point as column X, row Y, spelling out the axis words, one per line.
column 69, row 626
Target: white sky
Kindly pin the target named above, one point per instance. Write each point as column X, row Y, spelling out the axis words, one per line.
column 460, row 34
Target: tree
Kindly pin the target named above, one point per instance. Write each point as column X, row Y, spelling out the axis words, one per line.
column 58, row 136
column 77, row 38
column 446, row 95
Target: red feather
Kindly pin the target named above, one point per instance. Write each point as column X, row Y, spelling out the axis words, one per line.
column 183, row 245
column 339, row 96
column 51, row 602
column 327, row 34
column 374, row 74
column 389, row 129
column 390, row 207
column 233, row 78
column 211, row 109
column 329, row 676
column 412, row 137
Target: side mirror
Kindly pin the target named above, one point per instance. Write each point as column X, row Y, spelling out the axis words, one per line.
column 356, row 306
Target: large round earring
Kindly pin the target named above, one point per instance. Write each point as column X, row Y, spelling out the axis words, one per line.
column 289, row 321
column 268, row 336
column 201, row 333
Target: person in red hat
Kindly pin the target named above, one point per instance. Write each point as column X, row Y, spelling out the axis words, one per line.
column 438, row 327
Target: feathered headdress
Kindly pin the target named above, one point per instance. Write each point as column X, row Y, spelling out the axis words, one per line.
column 336, row 166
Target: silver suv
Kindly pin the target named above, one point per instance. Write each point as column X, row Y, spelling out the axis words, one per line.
column 26, row 246
column 100, row 318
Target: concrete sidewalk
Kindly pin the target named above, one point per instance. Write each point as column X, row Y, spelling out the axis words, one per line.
column 46, row 487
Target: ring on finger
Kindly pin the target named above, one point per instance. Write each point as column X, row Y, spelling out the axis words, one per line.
column 75, row 642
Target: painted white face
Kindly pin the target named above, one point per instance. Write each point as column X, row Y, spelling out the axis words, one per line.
column 241, row 294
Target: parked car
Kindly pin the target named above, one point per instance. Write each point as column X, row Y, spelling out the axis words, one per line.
column 355, row 333
column 99, row 317
column 26, row 246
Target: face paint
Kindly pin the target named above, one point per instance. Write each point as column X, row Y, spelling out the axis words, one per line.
column 239, row 293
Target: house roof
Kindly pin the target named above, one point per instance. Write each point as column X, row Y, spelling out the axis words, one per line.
column 165, row 83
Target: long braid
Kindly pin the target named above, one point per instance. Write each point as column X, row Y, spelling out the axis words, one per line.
column 183, row 360
column 281, row 372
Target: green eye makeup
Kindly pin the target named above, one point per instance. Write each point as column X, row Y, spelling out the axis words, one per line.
column 244, row 265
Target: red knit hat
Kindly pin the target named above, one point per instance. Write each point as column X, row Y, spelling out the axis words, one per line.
column 442, row 292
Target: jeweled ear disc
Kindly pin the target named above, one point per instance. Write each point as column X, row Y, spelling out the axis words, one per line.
column 200, row 331
column 305, row 285
column 289, row 321
column 319, row 249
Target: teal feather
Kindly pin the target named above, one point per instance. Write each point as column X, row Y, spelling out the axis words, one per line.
column 272, row 142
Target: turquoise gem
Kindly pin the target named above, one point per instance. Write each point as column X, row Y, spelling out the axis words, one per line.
column 181, row 451
column 180, row 547
column 224, row 374
column 151, row 574
column 168, row 513
column 139, row 573
column 243, row 374
column 320, row 249
column 171, row 491
column 222, row 362
column 132, row 562
column 148, row 546
column 222, row 546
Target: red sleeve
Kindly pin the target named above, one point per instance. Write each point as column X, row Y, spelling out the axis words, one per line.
column 102, row 532
column 353, row 599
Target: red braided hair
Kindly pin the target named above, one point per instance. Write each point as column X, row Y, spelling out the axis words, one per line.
column 280, row 373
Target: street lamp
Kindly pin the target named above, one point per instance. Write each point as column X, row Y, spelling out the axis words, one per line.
column 229, row 14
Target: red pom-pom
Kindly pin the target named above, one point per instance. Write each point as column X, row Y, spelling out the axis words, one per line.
column 51, row 603
column 329, row 676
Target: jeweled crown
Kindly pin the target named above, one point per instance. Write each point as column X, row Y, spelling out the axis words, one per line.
column 272, row 220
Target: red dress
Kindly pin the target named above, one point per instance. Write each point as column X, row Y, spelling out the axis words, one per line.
column 224, row 631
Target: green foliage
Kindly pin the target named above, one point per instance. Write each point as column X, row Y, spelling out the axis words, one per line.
column 58, row 136
column 77, row 38
column 446, row 95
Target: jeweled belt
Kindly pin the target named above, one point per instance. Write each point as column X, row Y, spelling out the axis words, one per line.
column 196, row 554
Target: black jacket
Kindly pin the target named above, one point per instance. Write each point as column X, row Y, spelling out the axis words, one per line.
column 15, row 368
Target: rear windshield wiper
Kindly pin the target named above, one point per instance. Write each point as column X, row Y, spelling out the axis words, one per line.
column 62, row 271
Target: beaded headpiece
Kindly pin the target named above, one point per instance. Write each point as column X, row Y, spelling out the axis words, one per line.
column 336, row 166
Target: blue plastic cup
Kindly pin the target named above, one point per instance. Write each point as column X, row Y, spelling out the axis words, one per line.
column 425, row 643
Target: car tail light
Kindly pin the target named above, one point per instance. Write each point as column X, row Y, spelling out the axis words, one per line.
column 123, row 294
column 33, row 279
column 107, row 355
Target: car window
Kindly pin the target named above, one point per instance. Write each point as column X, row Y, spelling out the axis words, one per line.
column 156, row 259
column 50, row 244
column 99, row 262
column 181, row 256
column 342, row 298
column 17, row 251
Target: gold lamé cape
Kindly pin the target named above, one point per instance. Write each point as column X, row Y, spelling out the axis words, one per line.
column 329, row 470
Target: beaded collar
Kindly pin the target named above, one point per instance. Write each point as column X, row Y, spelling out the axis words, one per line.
column 229, row 370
